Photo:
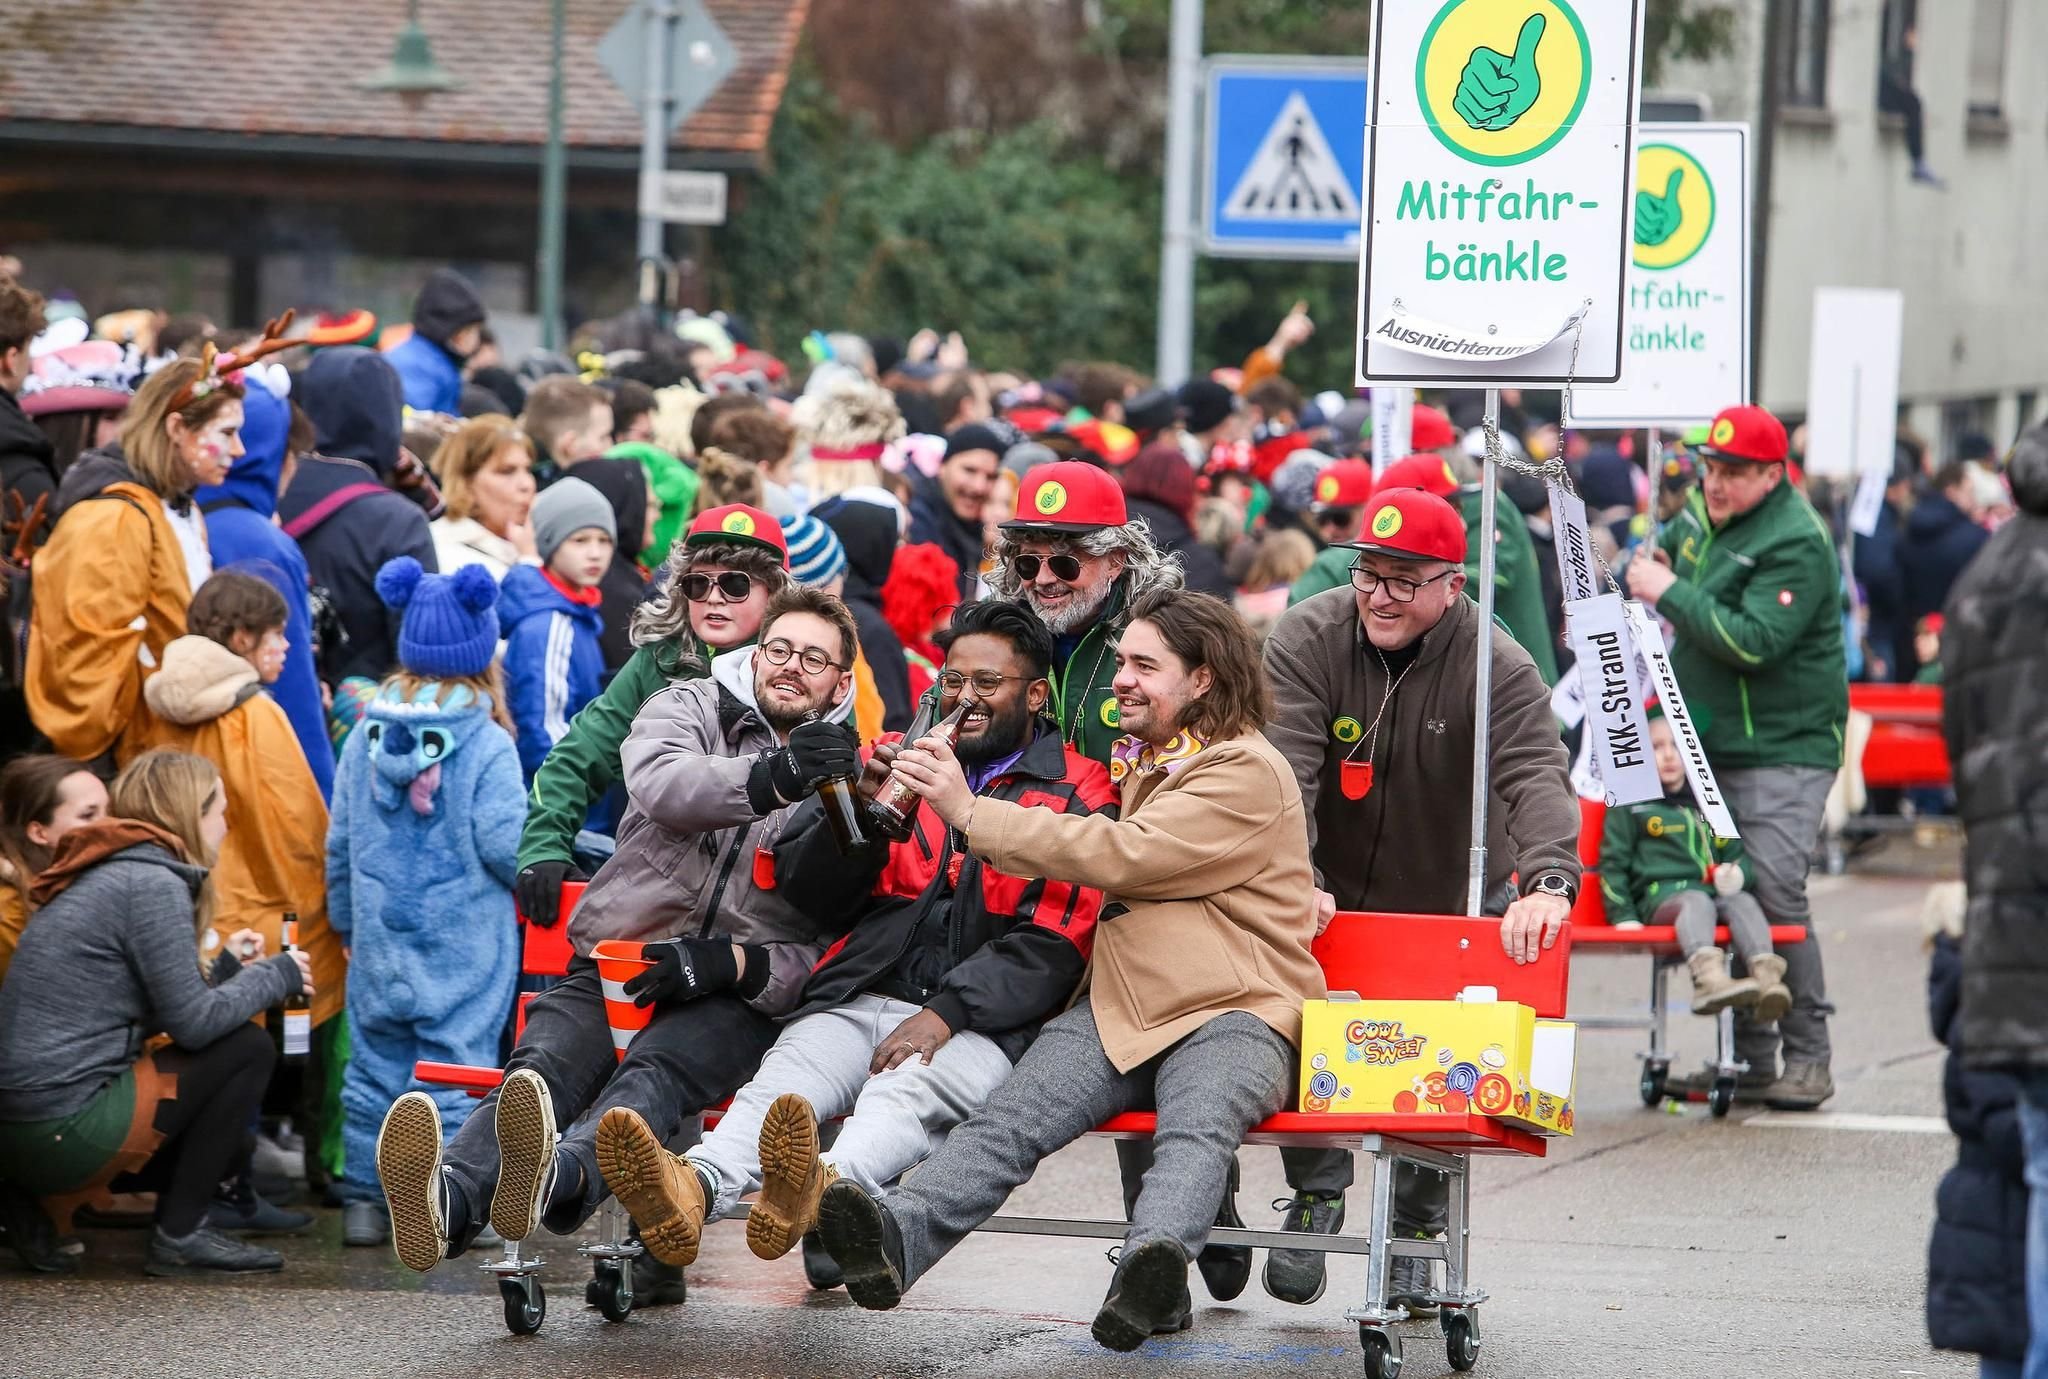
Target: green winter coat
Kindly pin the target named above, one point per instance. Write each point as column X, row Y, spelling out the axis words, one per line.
column 1517, row 584
column 585, row 763
column 1652, row 851
column 1082, row 699
column 1758, row 612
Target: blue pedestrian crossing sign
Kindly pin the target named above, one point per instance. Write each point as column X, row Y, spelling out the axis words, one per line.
column 1283, row 166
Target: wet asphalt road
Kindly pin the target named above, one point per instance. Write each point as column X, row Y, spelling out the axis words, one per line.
column 1652, row 1243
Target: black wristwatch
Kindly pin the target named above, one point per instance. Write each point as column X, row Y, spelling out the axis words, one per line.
column 1553, row 883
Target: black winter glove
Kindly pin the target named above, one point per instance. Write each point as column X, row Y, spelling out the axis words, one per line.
column 539, row 889
column 816, row 752
column 684, row 969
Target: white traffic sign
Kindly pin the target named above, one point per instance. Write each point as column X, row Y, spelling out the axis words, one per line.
column 684, row 198
column 1852, row 386
column 1687, row 351
column 1499, row 170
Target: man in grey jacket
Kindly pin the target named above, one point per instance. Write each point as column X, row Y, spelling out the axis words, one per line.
column 712, row 767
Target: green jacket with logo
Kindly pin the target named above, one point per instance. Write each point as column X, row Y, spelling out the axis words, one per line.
column 1652, row 851
column 1082, row 699
column 1758, row 612
column 1517, row 584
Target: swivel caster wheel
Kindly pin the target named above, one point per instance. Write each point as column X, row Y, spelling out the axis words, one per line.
column 610, row 1290
column 1382, row 1353
column 1721, row 1096
column 1461, row 1339
column 1652, row 1084
column 526, row 1304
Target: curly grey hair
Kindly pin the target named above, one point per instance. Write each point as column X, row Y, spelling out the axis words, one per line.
column 1147, row 569
column 665, row 617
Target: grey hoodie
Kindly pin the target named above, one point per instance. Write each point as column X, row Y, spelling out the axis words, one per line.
column 107, row 963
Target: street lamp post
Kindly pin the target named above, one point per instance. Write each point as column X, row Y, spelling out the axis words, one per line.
column 412, row 74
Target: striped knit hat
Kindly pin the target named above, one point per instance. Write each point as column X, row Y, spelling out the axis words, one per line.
column 815, row 555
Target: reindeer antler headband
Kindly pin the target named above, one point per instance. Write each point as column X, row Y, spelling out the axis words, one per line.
column 216, row 367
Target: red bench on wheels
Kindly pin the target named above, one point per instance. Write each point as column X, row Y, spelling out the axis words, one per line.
column 1593, row 934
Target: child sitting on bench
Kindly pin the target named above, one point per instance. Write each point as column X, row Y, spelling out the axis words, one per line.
column 1661, row 859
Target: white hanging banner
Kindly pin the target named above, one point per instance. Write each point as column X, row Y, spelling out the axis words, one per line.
column 1599, row 632
column 1577, row 568
column 1705, row 790
column 1393, row 426
column 1868, row 505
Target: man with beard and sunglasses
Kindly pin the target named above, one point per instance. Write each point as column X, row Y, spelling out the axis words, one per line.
column 914, row 1019
column 713, row 767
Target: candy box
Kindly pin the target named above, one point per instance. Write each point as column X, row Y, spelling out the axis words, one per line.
column 1493, row 1057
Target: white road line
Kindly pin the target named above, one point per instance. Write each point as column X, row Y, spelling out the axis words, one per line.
column 1849, row 1120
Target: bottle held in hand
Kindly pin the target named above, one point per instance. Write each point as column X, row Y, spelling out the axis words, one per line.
column 298, row 1009
column 896, row 802
column 842, row 806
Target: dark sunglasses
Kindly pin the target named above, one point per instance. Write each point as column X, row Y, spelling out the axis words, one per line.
column 731, row 583
column 1063, row 567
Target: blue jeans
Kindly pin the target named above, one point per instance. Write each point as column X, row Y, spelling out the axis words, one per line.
column 2034, row 1131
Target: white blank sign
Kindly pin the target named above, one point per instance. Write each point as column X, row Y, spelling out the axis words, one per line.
column 1852, row 389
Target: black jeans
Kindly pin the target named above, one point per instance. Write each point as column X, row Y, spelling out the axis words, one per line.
column 691, row 1057
column 1421, row 1198
column 205, row 1126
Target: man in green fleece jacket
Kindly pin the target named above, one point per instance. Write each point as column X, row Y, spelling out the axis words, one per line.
column 1748, row 576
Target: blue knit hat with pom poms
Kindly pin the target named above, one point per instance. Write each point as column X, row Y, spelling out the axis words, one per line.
column 451, row 621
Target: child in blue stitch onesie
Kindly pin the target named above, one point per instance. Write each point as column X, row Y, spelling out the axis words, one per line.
column 428, row 804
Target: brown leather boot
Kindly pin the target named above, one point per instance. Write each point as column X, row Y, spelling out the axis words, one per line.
column 1774, row 997
column 1713, row 989
column 792, row 1178
column 660, row 1191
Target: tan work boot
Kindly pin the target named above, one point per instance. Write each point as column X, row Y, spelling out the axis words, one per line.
column 660, row 1191
column 1774, row 998
column 792, row 1178
column 1713, row 989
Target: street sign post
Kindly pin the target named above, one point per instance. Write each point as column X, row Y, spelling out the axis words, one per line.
column 1500, row 167
column 1686, row 354
column 1283, row 164
column 699, row 56
column 684, row 198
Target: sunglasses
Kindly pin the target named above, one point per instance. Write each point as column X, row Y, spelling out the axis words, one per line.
column 731, row 583
column 1063, row 567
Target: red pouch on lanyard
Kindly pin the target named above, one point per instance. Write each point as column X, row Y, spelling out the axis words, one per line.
column 764, row 870
column 1354, row 778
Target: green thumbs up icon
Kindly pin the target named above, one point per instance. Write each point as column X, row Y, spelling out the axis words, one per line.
column 1658, row 217
column 1496, row 89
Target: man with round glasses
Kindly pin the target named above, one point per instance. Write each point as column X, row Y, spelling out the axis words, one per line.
column 1373, row 705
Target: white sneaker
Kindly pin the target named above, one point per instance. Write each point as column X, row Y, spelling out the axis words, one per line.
column 409, row 1164
column 526, row 1154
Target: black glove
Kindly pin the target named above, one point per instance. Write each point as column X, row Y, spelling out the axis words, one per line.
column 684, row 969
column 816, row 752
column 539, row 889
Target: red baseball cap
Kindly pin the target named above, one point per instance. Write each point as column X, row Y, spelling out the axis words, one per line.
column 1345, row 484
column 1116, row 444
column 1429, row 429
column 1747, row 434
column 1413, row 525
column 738, row 524
column 1068, row 496
column 1425, row 470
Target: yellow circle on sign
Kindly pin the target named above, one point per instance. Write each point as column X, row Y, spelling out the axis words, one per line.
column 1501, row 81
column 1723, row 432
column 1347, row 730
column 1674, row 206
column 1051, row 498
column 738, row 523
column 1110, row 716
column 1386, row 522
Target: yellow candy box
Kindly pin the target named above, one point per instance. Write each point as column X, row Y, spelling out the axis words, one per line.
column 1493, row 1057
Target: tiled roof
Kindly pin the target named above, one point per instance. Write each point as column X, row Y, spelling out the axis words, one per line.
column 291, row 67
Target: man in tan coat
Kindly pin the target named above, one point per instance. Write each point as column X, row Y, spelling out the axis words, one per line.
column 1194, row 1003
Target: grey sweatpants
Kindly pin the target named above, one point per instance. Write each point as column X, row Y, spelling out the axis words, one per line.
column 896, row 1118
column 1779, row 810
column 1695, row 915
column 1208, row 1090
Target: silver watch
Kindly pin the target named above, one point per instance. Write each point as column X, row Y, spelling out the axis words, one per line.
column 1554, row 883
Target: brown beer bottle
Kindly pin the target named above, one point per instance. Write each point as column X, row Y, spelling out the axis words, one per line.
column 842, row 807
column 298, row 1010
column 895, row 804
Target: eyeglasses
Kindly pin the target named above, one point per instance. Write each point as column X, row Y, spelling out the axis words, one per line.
column 731, row 583
column 814, row 661
column 1063, row 567
column 1398, row 589
column 985, row 682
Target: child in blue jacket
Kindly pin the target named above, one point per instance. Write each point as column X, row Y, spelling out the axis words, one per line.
column 553, row 617
column 420, row 863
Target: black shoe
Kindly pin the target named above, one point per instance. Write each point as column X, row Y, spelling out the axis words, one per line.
column 31, row 1234
column 819, row 1270
column 244, row 1211
column 862, row 1239
column 1694, row 1086
column 1226, row 1268
column 1148, row 1297
column 656, row 1284
column 206, row 1248
column 1409, row 1283
column 1298, row 1276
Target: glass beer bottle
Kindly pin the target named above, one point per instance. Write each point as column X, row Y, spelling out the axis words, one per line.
column 895, row 804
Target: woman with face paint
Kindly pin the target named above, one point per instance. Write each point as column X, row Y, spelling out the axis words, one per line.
column 112, row 584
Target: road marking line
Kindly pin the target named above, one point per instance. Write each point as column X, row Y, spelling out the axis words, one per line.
column 1849, row 1120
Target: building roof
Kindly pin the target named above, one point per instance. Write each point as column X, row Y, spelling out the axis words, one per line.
column 292, row 67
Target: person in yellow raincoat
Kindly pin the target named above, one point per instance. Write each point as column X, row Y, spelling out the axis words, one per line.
column 208, row 699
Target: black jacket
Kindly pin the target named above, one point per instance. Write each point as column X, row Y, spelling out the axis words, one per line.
column 1881, row 571
column 1939, row 540
column 933, row 520
column 868, row 533
column 1202, row 567
column 1994, row 658
column 345, row 551
column 445, row 305
column 28, row 465
column 1010, row 950
column 1977, row 1258
column 624, row 485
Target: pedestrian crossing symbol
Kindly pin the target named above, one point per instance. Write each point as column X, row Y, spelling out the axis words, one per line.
column 1294, row 178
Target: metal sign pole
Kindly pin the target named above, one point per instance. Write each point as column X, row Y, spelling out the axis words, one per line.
column 659, row 16
column 1482, row 691
column 1176, row 343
